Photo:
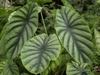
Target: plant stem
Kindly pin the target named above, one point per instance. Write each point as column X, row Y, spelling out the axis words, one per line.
column 44, row 24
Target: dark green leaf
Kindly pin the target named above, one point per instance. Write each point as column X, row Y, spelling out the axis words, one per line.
column 2, row 12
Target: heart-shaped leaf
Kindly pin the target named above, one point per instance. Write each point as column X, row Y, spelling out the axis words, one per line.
column 75, row 69
column 21, row 26
column 74, row 34
column 8, row 68
column 38, row 51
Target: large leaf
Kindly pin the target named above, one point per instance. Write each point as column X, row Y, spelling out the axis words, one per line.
column 74, row 34
column 8, row 68
column 20, row 27
column 76, row 69
column 38, row 51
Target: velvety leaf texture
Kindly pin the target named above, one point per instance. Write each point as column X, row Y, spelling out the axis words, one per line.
column 9, row 68
column 74, row 35
column 20, row 27
column 38, row 51
column 76, row 69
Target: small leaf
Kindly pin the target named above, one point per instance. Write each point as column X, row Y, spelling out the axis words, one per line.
column 66, row 3
column 74, row 35
column 9, row 68
column 38, row 51
column 76, row 69
column 39, row 9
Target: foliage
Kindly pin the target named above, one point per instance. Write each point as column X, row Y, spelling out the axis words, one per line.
column 38, row 51
column 69, row 26
column 49, row 37
column 76, row 69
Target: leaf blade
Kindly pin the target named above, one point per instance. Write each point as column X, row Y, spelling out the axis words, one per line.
column 75, row 69
column 21, row 26
column 9, row 68
column 38, row 51
column 73, row 31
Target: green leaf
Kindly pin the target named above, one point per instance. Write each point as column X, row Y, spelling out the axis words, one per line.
column 2, row 12
column 92, row 20
column 74, row 34
column 98, row 1
column 20, row 2
column 40, row 1
column 39, row 9
column 97, row 45
column 21, row 26
column 97, row 39
column 24, row 74
column 38, row 51
column 8, row 68
column 76, row 69
column 53, row 66
column 11, row 15
column 66, row 3
column 2, row 63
